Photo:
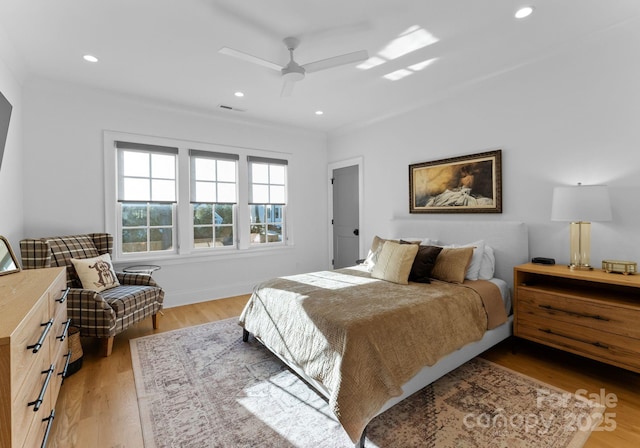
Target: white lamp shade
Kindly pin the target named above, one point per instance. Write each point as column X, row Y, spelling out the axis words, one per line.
column 581, row 203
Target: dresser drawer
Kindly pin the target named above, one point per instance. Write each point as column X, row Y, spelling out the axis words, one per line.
column 603, row 346
column 29, row 392
column 29, row 338
column 58, row 296
column 59, row 349
column 38, row 429
column 595, row 315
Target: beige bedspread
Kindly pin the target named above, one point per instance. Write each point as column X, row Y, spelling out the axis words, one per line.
column 360, row 337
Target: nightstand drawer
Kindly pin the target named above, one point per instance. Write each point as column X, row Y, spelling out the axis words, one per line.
column 600, row 345
column 596, row 316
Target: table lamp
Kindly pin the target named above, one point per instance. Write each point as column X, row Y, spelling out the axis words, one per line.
column 580, row 205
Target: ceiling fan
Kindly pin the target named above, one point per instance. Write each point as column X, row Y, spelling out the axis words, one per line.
column 294, row 72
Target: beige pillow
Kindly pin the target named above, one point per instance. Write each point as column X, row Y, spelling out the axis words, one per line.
column 374, row 252
column 96, row 273
column 451, row 264
column 394, row 262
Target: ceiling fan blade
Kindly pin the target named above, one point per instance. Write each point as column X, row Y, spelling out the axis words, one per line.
column 335, row 61
column 287, row 88
column 249, row 58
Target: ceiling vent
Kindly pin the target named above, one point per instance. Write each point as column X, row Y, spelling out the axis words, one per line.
column 236, row 109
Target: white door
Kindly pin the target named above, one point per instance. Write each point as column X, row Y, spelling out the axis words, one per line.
column 346, row 210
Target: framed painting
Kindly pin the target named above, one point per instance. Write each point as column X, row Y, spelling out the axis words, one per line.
column 464, row 184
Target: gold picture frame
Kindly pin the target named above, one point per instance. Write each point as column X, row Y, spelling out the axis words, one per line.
column 464, row 184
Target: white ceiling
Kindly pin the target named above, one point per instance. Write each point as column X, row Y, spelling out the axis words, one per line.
column 167, row 50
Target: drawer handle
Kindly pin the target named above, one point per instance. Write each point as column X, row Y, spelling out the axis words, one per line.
column 66, row 366
column 38, row 345
column 64, row 295
column 36, row 404
column 573, row 313
column 584, row 341
column 49, row 421
column 63, row 336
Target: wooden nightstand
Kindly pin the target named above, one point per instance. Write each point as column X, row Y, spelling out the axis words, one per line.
column 589, row 313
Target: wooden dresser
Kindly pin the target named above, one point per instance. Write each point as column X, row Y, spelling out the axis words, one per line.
column 33, row 353
column 590, row 313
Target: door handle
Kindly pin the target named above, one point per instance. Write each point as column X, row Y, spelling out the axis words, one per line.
column 356, row 232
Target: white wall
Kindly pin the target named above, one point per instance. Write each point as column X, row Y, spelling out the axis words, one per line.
column 11, row 210
column 572, row 117
column 64, row 180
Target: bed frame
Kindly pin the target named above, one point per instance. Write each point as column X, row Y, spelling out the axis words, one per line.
column 510, row 242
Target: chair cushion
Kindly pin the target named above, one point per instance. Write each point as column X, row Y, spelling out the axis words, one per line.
column 135, row 300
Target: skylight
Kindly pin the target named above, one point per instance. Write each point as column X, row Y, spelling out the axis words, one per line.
column 398, row 74
column 412, row 39
column 421, row 65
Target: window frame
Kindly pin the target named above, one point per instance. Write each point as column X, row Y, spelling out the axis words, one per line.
column 183, row 223
column 268, row 205
column 149, row 150
column 195, row 154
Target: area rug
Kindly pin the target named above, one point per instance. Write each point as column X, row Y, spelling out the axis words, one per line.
column 203, row 387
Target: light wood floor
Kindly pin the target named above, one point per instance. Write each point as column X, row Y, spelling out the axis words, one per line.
column 97, row 406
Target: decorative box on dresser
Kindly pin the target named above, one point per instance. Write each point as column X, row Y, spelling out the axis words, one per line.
column 589, row 313
column 33, row 353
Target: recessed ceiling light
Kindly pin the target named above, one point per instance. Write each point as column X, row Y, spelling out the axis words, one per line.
column 90, row 58
column 524, row 12
column 319, row 112
column 239, row 94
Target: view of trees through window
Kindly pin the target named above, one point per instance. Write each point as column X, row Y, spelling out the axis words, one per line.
column 266, row 223
column 147, row 227
column 212, row 225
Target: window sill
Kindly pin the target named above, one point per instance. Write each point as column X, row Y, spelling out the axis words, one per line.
column 205, row 255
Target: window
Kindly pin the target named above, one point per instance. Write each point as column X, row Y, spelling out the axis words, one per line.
column 267, row 199
column 168, row 198
column 147, row 197
column 213, row 198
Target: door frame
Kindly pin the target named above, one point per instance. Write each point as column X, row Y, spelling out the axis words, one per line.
column 356, row 161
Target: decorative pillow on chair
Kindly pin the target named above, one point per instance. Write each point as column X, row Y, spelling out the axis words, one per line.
column 451, row 264
column 394, row 262
column 96, row 273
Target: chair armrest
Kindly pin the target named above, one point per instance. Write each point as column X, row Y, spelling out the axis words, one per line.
column 126, row 278
column 89, row 311
column 86, row 299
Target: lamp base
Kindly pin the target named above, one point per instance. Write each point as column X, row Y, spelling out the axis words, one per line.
column 580, row 267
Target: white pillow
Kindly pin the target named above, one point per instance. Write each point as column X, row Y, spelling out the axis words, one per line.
column 96, row 273
column 488, row 265
column 473, row 270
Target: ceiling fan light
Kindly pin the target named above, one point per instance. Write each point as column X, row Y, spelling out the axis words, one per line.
column 292, row 76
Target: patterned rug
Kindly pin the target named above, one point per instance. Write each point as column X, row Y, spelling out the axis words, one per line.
column 203, row 387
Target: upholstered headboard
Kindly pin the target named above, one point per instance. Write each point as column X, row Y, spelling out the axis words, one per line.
column 509, row 239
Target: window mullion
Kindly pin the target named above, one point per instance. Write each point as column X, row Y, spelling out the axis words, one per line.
column 184, row 220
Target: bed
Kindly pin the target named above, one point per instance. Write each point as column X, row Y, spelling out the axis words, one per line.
column 366, row 340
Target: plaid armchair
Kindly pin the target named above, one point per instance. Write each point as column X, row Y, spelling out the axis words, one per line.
column 98, row 314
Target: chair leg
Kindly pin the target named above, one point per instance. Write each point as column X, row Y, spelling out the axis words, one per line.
column 154, row 319
column 107, row 346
